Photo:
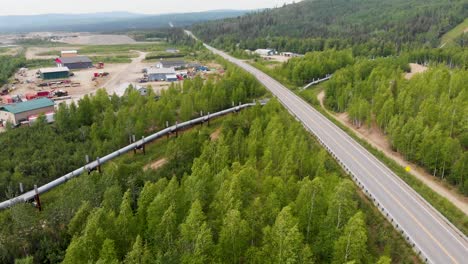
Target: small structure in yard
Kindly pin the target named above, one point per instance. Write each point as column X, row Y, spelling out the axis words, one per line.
column 290, row 54
column 49, row 118
column 142, row 90
column 19, row 112
column 68, row 53
column 159, row 74
column 54, row 73
column 172, row 78
column 124, row 88
column 172, row 50
column 266, row 52
column 77, row 62
column 174, row 64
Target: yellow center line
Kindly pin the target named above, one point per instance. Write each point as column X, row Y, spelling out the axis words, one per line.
column 387, row 191
column 369, row 173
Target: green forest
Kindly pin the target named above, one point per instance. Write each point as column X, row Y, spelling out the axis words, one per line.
column 372, row 27
column 424, row 117
column 99, row 125
column 8, row 66
column 253, row 186
column 262, row 192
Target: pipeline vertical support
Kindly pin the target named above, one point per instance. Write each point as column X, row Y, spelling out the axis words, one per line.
column 98, row 165
column 37, row 199
column 21, row 187
column 86, row 165
column 143, row 146
column 167, row 125
column 133, row 141
column 208, row 118
column 176, row 129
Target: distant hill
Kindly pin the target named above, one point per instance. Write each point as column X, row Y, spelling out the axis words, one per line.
column 355, row 21
column 113, row 21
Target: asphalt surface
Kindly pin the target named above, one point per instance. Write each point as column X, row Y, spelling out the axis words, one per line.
column 430, row 234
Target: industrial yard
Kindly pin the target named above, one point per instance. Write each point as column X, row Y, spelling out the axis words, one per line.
column 74, row 71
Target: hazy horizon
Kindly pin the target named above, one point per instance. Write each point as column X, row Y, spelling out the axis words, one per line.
column 155, row 7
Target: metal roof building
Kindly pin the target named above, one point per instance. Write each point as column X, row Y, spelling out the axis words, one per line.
column 77, row 62
column 159, row 74
column 54, row 73
column 16, row 113
column 176, row 64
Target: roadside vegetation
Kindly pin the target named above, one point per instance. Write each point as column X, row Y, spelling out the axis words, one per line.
column 8, row 66
column 424, row 117
column 233, row 199
column 457, row 33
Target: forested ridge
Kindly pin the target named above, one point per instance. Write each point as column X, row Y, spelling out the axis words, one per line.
column 382, row 27
column 101, row 124
column 262, row 192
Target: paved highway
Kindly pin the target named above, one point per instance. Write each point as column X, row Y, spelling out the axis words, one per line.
column 430, row 234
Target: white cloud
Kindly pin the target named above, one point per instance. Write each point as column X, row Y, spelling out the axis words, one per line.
column 27, row 7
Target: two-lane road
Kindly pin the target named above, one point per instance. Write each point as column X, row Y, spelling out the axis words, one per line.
column 430, row 234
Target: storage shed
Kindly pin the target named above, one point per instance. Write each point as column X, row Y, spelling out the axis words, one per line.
column 16, row 113
column 159, row 74
column 265, row 52
column 73, row 63
column 54, row 73
column 171, row 78
column 175, row 64
column 68, row 53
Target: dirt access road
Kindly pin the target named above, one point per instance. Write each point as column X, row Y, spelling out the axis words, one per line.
column 379, row 141
column 132, row 70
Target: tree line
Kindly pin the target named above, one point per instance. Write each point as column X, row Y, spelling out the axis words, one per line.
column 315, row 65
column 8, row 66
column 263, row 192
column 371, row 25
column 98, row 125
column 424, row 117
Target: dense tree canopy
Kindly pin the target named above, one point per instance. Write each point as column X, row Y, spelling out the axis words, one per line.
column 101, row 124
column 8, row 65
column 380, row 27
column 237, row 206
column 424, row 117
column 232, row 204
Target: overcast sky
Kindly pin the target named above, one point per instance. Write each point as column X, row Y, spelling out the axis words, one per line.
column 29, row 7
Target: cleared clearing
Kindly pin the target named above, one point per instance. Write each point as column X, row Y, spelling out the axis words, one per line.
column 215, row 135
column 155, row 165
column 415, row 68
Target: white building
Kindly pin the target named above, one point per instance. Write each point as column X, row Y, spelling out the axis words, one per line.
column 265, row 52
column 159, row 74
column 68, row 53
